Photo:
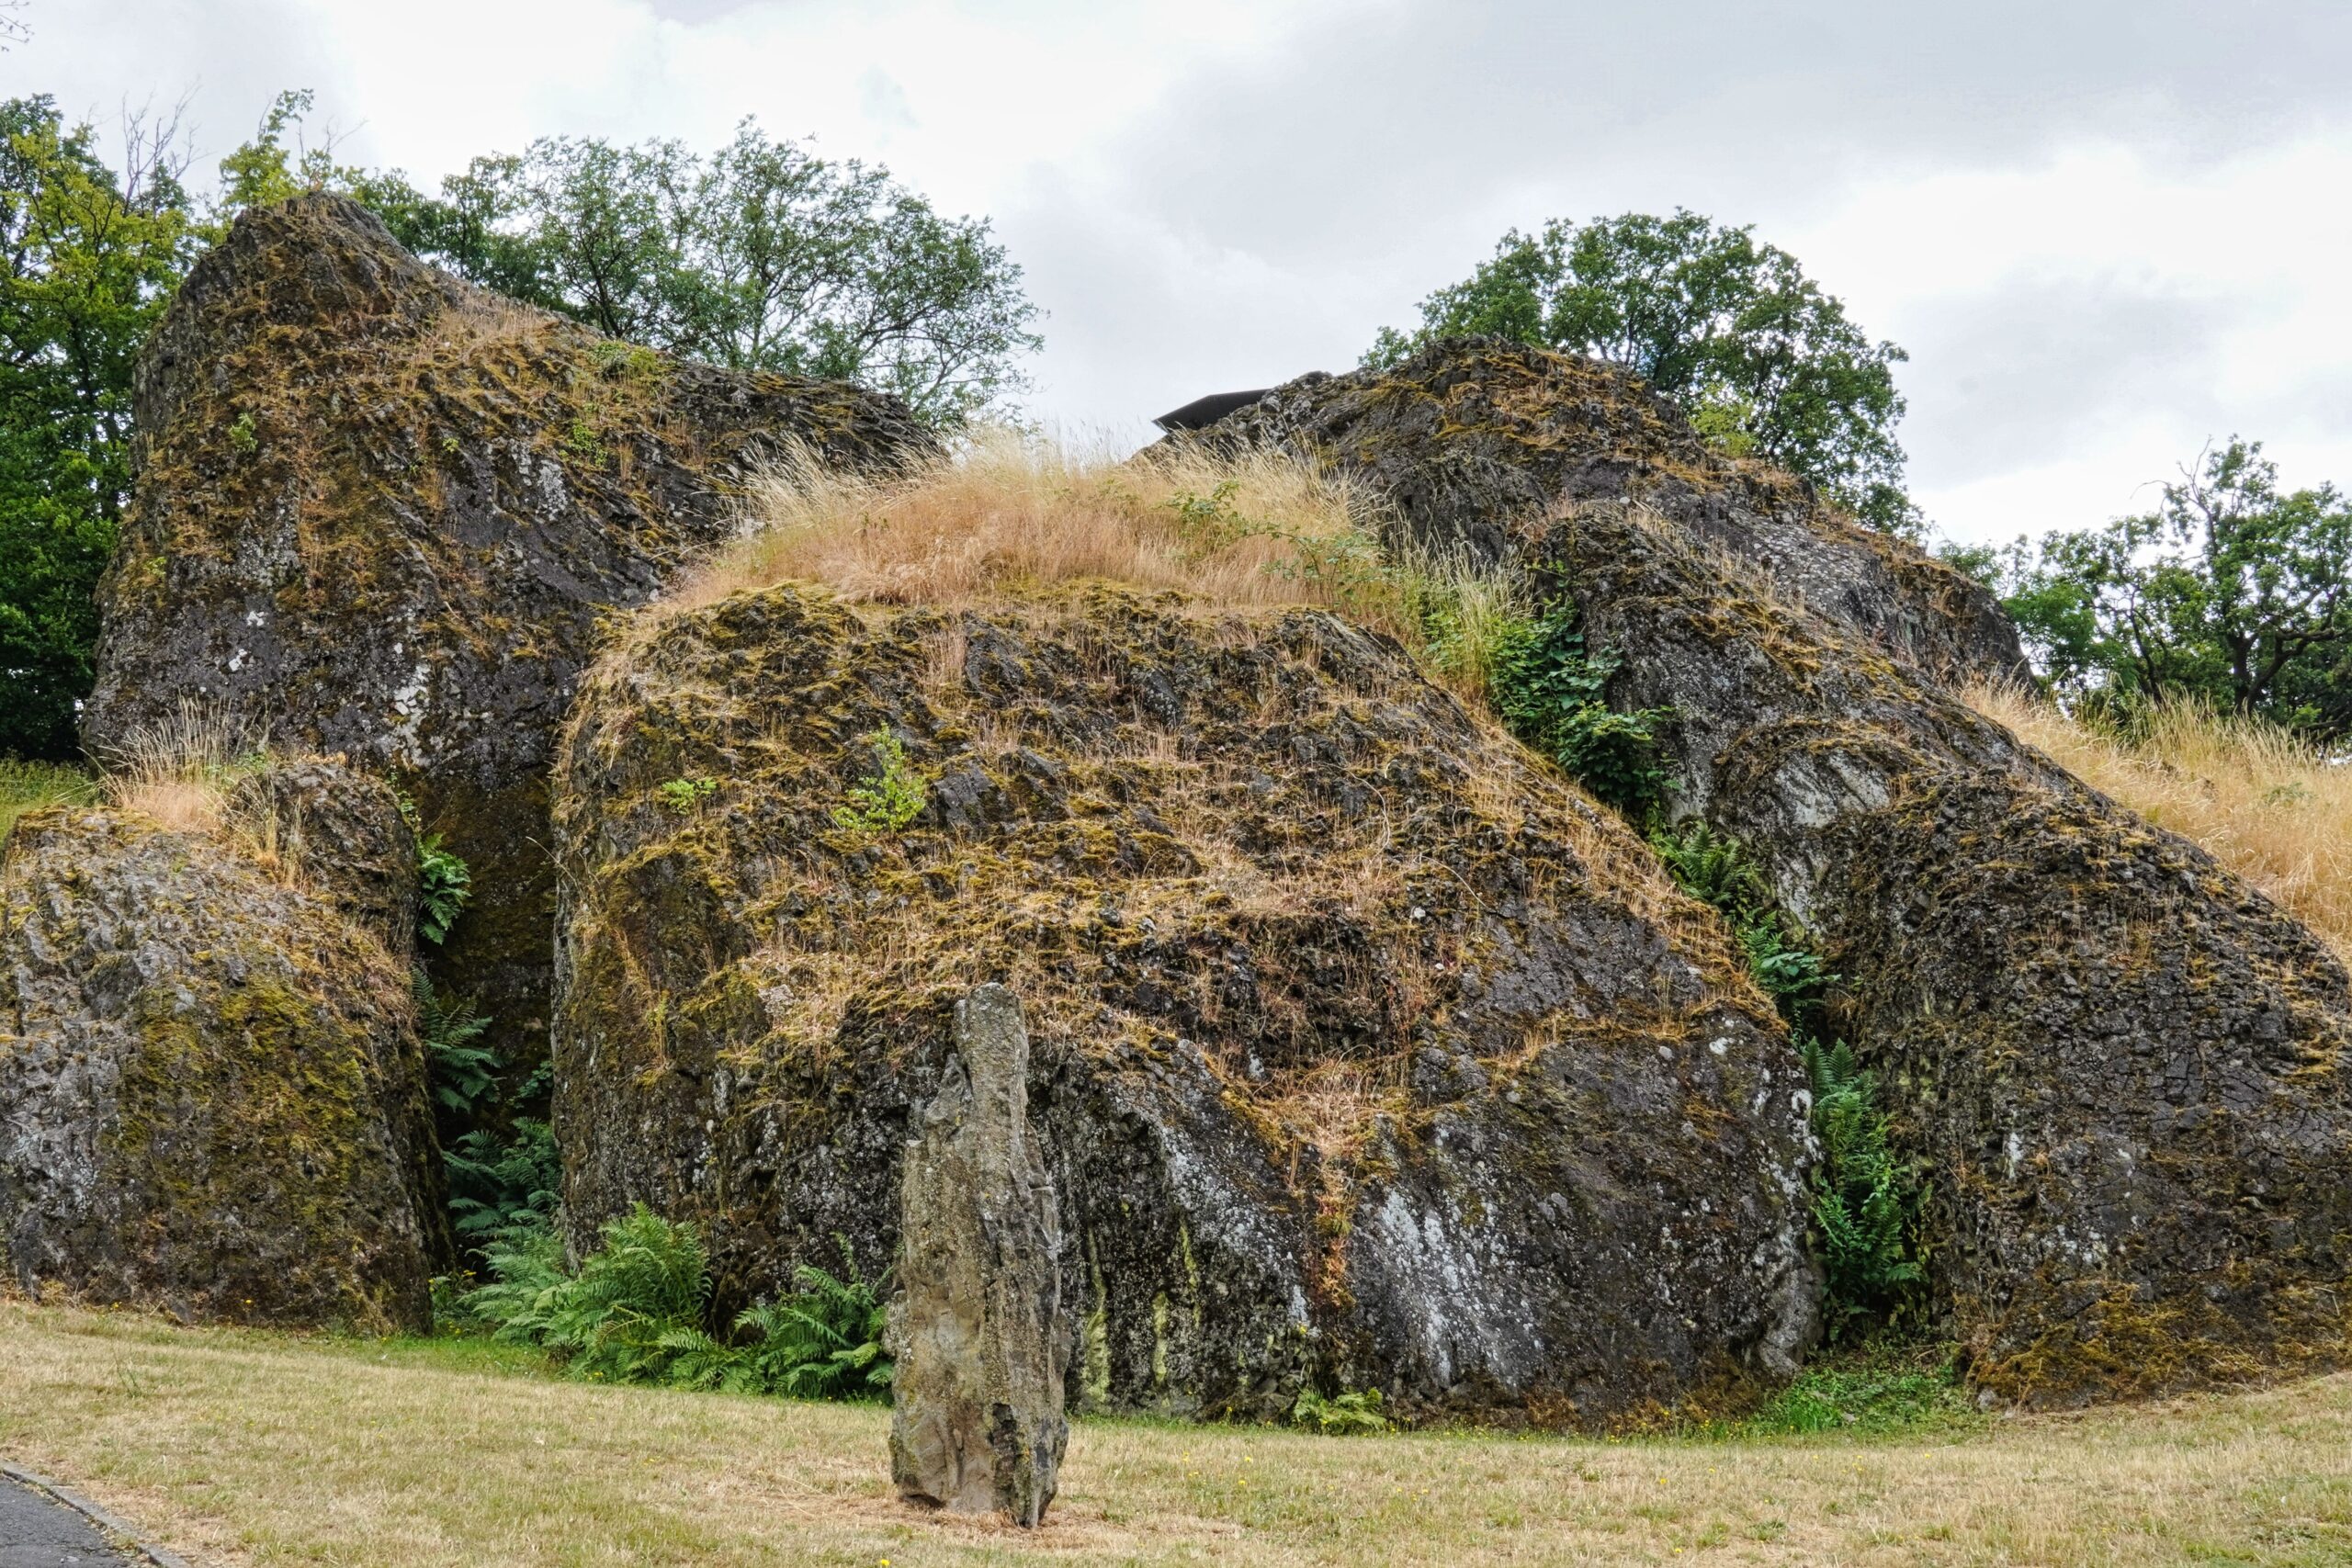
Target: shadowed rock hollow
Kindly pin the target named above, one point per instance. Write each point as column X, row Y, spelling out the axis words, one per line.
column 1366, row 1052
column 212, row 1100
column 383, row 513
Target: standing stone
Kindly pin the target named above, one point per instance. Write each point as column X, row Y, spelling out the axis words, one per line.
column 977, row 1326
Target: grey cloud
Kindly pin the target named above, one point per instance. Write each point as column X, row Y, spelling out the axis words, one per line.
column 2026, row 371
column 1727, row 104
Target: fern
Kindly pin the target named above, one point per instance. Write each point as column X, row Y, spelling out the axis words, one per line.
column 824, row 1341
column 494, row 1187
column 1339, row 1415
column 462, row 1073
column 1863, row 1212
column 444, row 885
column 634, row 1311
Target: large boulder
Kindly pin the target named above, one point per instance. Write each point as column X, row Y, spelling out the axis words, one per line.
column 1468, row 435
column 1366, row 1052
column 2122, row 1071
column 384, row 513
column 2126, row 1073
column 212, row 1099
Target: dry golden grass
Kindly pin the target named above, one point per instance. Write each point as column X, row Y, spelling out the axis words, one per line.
column 1010, row 515
column 247, row 1448
column 179, row 770
column 2262, row 804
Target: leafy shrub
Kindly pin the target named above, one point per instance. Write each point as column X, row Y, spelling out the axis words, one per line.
column 634, row 1312
column 1552, row 693
column 888, row 799
column 681, row 796
column 1788, row 971
column 1339, row 1415
column 1864, row 1211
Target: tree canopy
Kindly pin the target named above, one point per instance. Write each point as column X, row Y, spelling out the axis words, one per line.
column 89, row 256
column 2231, row 591
column 759, row 255
column 1726, row 325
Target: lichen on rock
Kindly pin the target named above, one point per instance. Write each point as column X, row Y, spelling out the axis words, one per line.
column 212, row 1099
column 1366, row 1052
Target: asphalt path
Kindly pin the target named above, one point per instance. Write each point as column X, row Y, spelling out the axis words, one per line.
column 38, row 1531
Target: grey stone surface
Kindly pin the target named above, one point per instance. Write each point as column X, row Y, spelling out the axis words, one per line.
column 976, row 1326
column 1244, row 871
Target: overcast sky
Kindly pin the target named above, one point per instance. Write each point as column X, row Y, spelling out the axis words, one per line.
column 2105, row 230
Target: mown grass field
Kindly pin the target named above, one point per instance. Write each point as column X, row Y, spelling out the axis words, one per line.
column 249, row 1448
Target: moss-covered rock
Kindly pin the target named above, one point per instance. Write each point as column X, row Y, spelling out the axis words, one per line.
column 212, row 1099
column 1366, row 1051
column 1471, row 434
column 2122, row 1072
column 2127, row 1075
column 384, row 512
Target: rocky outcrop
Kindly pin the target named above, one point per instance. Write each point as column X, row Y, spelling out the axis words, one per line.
column 212, row 1100
column 2128, row 1075
column 1469, row 435
column 383, row 513
column 978, row 1335
column 1366, row 1052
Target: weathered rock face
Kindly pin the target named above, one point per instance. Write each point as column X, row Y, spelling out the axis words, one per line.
column 383, row 513
column 212, row 1099
column 342, row 835
column 2128, row 1075
column 1365, row 1050
column 2124, row 1070
column 978, row 1333
column 1471, row 434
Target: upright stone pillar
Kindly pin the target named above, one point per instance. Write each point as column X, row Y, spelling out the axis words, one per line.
column 976, row 1326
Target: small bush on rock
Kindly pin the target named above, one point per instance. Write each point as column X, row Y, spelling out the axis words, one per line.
column 888, row 799
column 1340, row 1415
